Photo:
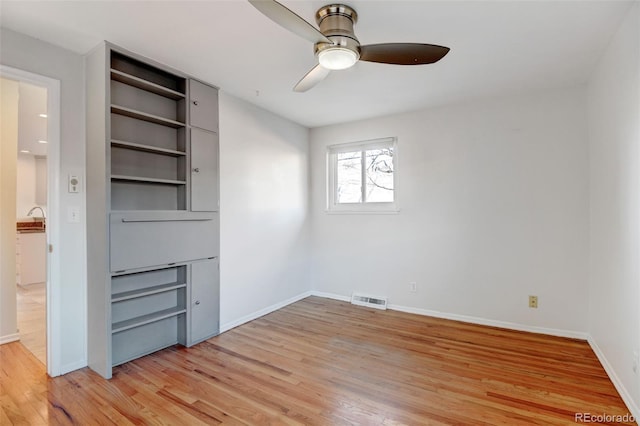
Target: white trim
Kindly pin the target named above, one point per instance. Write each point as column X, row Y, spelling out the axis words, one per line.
column 331, row 296
column 361, row 145
column 9, row 338
column 492, row 323
column 73, row 366
column 332, row 206
column 469, row 319
column 622, row 390
column 389, row 211
column 257, row 314
column 54, row 304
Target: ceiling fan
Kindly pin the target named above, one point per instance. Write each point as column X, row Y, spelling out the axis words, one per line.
column 336, row 45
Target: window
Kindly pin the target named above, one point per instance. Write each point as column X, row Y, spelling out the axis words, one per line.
column 361, row 176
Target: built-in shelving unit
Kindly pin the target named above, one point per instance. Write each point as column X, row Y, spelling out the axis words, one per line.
column 148, row 155
column 156, row 254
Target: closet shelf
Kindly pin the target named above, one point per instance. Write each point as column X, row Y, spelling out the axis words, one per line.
column 146, row 85
column 146, row 319
column 147, row 180
column 148, row 291
column 128, row 112
column 147, row 148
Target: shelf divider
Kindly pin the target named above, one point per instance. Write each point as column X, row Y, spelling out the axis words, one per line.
column 143, row 84
column 148, row 180
column 146, row 319
column 147, row 148
column 148, row 291
column 129, row 112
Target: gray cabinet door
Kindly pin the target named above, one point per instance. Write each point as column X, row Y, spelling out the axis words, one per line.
column 203, row 106
column 205, row 300
column 144, row 239
column 204, row 171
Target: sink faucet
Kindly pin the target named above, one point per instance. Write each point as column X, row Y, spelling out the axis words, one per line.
column 35, row 208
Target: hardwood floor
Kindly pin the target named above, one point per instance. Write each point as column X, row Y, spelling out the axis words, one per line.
column 32, row 322
column 325, row 362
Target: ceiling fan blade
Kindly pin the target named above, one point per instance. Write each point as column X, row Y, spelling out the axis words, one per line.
column 403, row 53
column 289, row 20
column 313, row 77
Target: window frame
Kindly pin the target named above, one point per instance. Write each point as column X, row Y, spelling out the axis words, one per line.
column 332, row 151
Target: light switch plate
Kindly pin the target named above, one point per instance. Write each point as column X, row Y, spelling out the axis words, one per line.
column 73, row 214
column 74, row 184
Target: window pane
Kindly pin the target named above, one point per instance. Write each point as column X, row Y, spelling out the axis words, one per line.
column 379, row 164
column 349, row 177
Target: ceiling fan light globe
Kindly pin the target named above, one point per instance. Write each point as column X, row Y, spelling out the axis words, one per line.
column 337, row 58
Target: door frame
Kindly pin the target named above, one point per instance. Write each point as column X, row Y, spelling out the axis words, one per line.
column 54, row 303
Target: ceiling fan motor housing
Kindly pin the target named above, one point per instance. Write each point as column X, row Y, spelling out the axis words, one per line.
column 336, row 23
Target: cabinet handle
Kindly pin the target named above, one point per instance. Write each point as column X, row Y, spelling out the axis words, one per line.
column 197, row 302
column 195, row 219
column 195, row 103
column 196, row 170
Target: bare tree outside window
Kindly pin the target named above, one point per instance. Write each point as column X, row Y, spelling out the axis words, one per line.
column 379, row 184
column 377, row 175
column 349, row 177
column 361, row 177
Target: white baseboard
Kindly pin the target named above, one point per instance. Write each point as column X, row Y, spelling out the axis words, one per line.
column 67, row 368
column 331, row 296
column 245, row 319
column 465, row 318
column 9, row 338
column 622, row 390
column 492, row 323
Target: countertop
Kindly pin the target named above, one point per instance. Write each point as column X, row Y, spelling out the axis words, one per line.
column 30, row 226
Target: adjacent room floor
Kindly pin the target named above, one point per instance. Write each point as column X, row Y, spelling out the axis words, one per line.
column 32, row 322
column 325, row 362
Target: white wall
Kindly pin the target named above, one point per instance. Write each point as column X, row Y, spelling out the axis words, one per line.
column 264, row 208
column 494, row 207
column 614, row 135
column 41, row 182
column 28, row 54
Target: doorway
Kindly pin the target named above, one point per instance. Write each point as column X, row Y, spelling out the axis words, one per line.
column 31, row 208
column 31, row 299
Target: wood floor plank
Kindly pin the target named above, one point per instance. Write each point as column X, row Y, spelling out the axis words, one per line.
column 324, row 362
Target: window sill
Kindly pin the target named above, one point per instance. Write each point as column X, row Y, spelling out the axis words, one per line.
column 390, row 211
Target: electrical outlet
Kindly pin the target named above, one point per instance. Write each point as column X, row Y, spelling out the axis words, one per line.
column 533, row 301
column 636, row 361
column 413, row 286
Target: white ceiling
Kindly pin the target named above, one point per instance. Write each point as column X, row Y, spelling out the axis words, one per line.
column 497, row 48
